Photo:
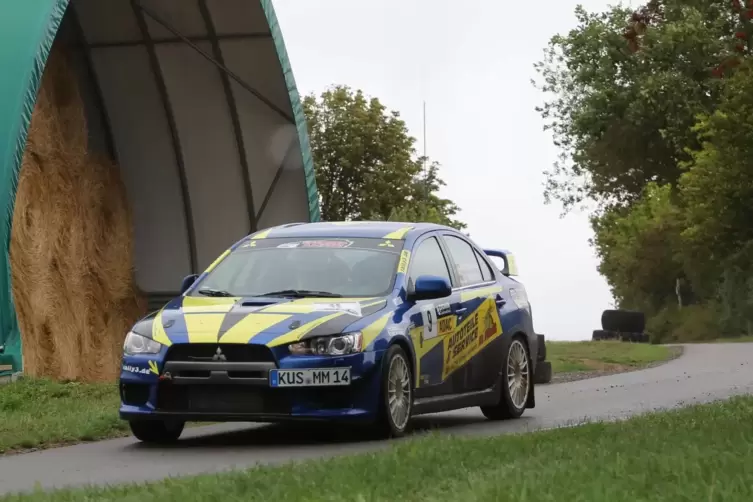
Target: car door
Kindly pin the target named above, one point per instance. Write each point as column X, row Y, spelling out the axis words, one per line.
column 432, row 321
column 474, row 351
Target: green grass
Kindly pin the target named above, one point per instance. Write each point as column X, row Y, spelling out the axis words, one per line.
column 603, row 355
column 698, row 453
column 35, row 413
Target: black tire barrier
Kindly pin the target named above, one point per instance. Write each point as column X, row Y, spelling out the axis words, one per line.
column 625, row 321
column 541, row 356
column 635, row 337
column 543, row 373
column 601, row 334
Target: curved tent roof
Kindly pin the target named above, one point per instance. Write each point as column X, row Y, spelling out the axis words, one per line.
column 195, row 101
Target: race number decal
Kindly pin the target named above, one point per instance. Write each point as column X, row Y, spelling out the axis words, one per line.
column 429, row 316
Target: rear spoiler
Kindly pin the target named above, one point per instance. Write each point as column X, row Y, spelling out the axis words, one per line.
column 511, row 267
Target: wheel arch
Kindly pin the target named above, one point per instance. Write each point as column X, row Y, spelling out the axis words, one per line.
column 405, row 344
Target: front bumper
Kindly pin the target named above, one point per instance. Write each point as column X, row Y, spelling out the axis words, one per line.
column 151, row 388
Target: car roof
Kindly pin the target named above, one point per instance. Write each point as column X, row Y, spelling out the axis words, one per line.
column 353, row 229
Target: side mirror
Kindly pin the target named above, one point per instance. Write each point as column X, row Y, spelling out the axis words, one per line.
column 430, row 287
column 188, row 282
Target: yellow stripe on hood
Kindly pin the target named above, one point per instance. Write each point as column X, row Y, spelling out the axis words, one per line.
column 194, row 304
column 203, row 328
column 250, row 326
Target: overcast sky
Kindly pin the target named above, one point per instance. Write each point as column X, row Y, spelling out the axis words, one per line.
column 473, row 67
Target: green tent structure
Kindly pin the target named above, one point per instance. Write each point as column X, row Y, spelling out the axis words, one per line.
column 194, row 100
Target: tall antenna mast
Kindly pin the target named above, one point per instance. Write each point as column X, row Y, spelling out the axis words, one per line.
column 424, row 136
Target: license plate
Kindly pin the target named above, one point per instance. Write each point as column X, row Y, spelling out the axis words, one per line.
column 309, row 377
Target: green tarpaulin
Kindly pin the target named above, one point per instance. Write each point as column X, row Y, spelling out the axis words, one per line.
column 183, row 61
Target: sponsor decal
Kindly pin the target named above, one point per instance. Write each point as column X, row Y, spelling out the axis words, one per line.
column 471, row 336
column 329, row 243
column 397, row 301
column 352, row 308
column 443, row 309
column 248, row 244
column 152, row 369
column 402, row 266
column 387, row 244
column 447, row 325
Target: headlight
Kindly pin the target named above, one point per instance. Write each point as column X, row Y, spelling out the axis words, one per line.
column 137, row 344
column 338, row 345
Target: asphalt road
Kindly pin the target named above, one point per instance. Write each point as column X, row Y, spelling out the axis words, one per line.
column 703, row 373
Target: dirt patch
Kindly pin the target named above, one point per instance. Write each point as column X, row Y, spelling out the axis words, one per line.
column 611, row 369
column 71, row 245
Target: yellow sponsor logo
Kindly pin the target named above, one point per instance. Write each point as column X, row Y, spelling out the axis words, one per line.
column 402, row 267
column 153, row 367
column 476, row 332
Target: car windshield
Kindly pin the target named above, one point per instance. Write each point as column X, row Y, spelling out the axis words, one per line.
column 337, row 267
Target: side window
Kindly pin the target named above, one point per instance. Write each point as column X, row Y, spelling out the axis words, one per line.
column 465, row 260
column 429, row 260
column 486, row 271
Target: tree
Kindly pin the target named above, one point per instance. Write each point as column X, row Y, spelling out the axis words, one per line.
column 366, row 163
column 652, row 112
column 424, row 205
column 625, row 91
column 638, row 249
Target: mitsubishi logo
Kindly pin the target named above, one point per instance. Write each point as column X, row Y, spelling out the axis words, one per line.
column 219, row 356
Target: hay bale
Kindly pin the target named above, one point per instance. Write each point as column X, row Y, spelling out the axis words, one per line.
column 71, row 246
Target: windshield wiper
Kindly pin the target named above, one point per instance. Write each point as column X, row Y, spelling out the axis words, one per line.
column 302, row 293
column 214, row 292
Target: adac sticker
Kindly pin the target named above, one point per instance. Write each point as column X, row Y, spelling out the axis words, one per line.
column 402, row 267
column 151, row 370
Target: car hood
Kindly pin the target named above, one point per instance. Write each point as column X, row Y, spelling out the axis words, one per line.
column 266, row 321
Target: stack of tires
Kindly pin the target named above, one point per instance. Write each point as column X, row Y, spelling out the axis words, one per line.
column 622, row 325
column 543, row 373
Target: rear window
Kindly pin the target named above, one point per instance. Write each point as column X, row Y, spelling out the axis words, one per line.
column 341, row 266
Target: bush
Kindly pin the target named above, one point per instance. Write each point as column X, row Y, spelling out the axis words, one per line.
column 688, row 324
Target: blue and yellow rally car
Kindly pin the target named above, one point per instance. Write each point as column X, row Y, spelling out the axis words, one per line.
column 362, row 321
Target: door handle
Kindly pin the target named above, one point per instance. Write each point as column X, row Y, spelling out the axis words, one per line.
column 460, row 310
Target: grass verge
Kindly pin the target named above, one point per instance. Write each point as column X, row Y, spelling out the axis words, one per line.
column 41, row 413
column 606, row 356
column 698, row 453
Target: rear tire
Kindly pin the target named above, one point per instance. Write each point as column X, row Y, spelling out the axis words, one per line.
column 156, row 431
column 396, row 396
column 515, row 384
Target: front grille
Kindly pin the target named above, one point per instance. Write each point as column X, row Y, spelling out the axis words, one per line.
column 236, row 353
column 134, row 394
column 220, row 399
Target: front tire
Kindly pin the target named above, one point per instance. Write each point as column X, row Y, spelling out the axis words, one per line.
column 396, row 396
column 515, row 383
column 156, row 431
